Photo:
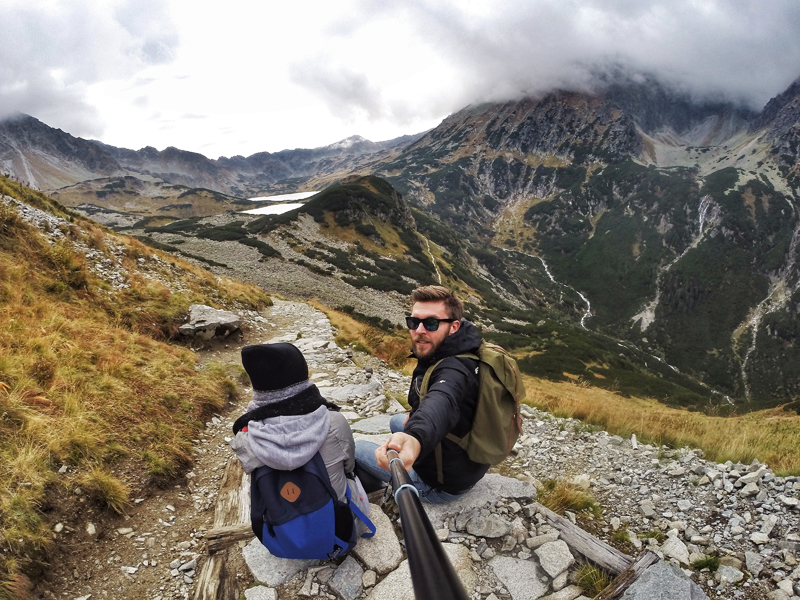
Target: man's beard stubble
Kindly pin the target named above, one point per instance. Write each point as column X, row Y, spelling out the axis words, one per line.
column 427, row 350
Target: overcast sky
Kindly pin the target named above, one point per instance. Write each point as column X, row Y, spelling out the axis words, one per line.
column 243, row 76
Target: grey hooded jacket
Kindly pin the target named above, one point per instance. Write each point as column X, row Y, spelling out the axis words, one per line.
column 288, row 442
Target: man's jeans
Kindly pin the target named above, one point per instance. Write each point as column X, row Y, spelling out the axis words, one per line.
column 365, row 457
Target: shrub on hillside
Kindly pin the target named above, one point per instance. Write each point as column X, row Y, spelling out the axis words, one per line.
column 264, row 248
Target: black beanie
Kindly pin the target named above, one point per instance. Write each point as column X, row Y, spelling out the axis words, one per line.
column 274, row 366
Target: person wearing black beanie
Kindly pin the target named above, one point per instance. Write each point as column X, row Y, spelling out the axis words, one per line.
column 288, row 421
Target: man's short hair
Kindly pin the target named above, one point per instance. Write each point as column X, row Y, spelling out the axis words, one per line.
column 436, row 293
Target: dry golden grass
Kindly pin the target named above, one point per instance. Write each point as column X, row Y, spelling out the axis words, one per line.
column 103, row 487
column 772, row 436
column 17, row 587
column 86, row 377
column 592, row 579
column 393, row 244
column 560, row 496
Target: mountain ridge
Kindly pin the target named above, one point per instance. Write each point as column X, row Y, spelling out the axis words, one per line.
column 26, row 143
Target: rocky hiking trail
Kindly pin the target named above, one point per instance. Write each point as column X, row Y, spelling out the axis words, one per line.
column 503, row 547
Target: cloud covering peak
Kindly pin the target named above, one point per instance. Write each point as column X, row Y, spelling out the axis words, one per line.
column 739, row 50
column 247, row 75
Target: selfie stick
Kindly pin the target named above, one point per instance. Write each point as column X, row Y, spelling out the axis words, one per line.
column 432, row 574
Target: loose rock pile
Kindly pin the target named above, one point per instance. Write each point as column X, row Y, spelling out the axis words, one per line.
column 105, row 263
column 742, row 513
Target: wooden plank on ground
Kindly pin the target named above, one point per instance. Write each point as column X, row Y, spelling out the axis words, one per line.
column 624, row 580
column 233, row 501
column 223, row 538
column 215, row 582
column 604, row 556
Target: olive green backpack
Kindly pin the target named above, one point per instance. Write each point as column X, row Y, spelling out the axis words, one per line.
column 497, row 422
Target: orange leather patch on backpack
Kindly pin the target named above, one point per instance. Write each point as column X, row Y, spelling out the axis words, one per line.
column 290, row 492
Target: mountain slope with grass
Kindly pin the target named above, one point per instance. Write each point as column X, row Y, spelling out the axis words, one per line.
column 122, row 202
column 89, row 376
column 89, row 380
column 360, row 248
column 678, row 221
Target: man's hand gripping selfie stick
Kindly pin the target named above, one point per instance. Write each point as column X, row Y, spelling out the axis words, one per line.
column 432, row 574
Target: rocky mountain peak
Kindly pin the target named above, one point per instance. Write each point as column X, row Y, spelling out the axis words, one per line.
column 348, row 142
column 608, row 123
column 780, row 108
column 48, row 158
column 656, row 107
column 781, row 119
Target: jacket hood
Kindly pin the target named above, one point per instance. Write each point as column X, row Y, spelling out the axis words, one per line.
column 466, row 339
column 289, row 442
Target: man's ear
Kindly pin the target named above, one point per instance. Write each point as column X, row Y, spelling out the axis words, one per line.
column 455, row 326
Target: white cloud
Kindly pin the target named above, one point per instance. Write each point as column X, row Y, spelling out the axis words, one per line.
column 246, row 75
column 51, row 52
column 739, row 49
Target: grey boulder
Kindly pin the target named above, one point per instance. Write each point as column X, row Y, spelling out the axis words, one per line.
column 522, row 578
column 662, row 581
column 206, row 322
column 346, row 581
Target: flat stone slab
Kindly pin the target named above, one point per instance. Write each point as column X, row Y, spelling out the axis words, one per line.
column 662, row 581
column 346, row 392
column 381, row 552
column 288, row 338
column 271, row 570
column 346, row 581
column 260, row 593
column 488, row 489
column 522, row 578
column 373, row 425
column 492, row 526
column 754, row 562
column 397, row 584
column 675, row 548
column 305, row 344
column 395, row 408
column 728, row 574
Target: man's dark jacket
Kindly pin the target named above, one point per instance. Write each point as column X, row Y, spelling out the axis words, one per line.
column 448, row 407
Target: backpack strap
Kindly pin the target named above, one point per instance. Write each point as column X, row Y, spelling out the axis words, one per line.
column 423, row 389
column 358, row 513
column 320, row 465
column 426, row 379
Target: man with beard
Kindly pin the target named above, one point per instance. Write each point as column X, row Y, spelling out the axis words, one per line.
column 440, row 470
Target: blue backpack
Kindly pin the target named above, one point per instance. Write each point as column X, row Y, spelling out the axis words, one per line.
column 297, row 514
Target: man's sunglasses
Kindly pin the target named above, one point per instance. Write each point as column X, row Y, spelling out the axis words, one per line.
column 429, row 323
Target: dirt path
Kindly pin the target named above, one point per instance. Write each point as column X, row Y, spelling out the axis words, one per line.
column 137, row 555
